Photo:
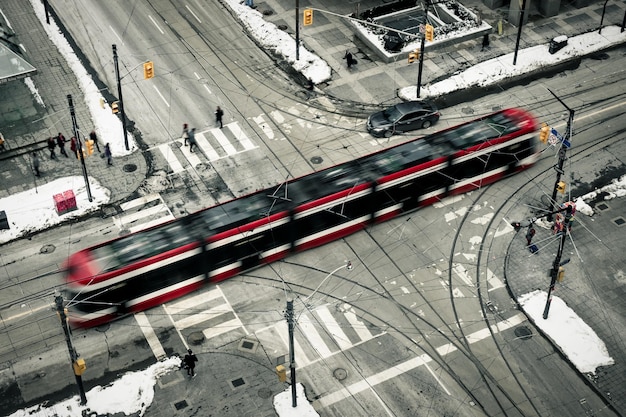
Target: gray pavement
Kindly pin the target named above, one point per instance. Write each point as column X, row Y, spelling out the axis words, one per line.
column 242, row 384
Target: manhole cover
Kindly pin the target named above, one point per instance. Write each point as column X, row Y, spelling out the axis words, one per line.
column 619, row 221
column 47, row 249
column 268, row 12
column 317, row 160
column 602, row 206
column 196, row 338
column 180, row 405
column 282, row 27
column 130, row 168
column 523, row 332
column 340, row 374
column 238, row 382
column 467, row 110
column 264, row 393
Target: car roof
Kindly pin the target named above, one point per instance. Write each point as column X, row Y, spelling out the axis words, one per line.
column 411, row 106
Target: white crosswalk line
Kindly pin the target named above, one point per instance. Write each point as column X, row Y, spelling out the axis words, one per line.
column 201, row 316
column 206, row 147
column 313, row 336
column 283, row 332
column 170, row 158
column 359, row 327
column 130, row 218
column 222, row 328
column 241, row 136
column 334, row 328
column 223, row 141
column 191, row 157
column 190, row 302
column 151, row 337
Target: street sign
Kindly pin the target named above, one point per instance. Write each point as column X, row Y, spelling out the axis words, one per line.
column 555, row 137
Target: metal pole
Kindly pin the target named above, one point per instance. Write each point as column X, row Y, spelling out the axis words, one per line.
column 602, row 18
column 557, row 261
column 79, row 379
column 80, row 146
column 519, row 30
column 423, row 41
column 46, row 9
column 292, row 359
column 297, row 31
column 623, row 22
column 119, row 94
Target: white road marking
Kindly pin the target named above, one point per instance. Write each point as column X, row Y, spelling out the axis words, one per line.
column 155, row 24
column 151, row 337
column 334, row 328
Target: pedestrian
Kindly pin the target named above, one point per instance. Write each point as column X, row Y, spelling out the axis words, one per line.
column 74, row 146
column 107, row 154
column 192, row 139
column 51, row 145
column 219, row 113
column 529, row 235
column 36, row 164
column 185, row 133
column 250, row 3
column 61, row 143
column 94, row 137
column 485, row 42
column 190, row 363
column 349, row 59
column 2, row 148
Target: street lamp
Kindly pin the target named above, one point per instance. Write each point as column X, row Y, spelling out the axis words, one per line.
column 291, row 324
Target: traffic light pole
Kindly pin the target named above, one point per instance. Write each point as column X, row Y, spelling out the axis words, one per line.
column 297, row 30
column 421, row 64
column 119, row 93
column 80, row 146
column 292, row 357
column 562, row 152
column 73, row 355
column 557, row 260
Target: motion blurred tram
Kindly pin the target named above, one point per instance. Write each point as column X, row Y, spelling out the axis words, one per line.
column 153, row 266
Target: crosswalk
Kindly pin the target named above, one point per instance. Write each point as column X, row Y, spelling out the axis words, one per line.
column 213, row 144
column 320, row 333
column 142, row 213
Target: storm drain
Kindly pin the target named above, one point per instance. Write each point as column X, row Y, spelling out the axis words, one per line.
column 619, row 221
column 237, row 382
column 247, row 345
column 180, row 405
column 602, row 206
column 129, row 168
column 523, row 332
column 316, row 160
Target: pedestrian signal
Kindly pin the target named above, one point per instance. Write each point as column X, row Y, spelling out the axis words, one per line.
column 544, row 133
column 79, row 366
column 148, row 70
column 89, row 145
column 115, row 107
column 560, row 275
column 414, row 56
column 282, row 373
column 429, row 32
column 308, row 17
column 560, row 187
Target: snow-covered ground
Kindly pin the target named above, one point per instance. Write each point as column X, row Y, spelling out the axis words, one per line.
column 34, row 209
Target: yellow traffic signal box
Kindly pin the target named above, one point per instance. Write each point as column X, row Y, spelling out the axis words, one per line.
column 148, row 70
column 89, row 146
column 308, row 17
column 414, row 56
column 282, row 373
column 429, row 32
column 115, row 107
column 544, row 133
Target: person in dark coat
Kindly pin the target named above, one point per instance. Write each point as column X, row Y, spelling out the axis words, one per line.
column 61, row 143
column 94, row 137
column 51, row 145
column 190, row 363
column 107, row 154
column 219, row 113
column 36, row 165
column 485, row 42
column 74, row 146
column 192, row 139
column 349, row 59
column 186, row 133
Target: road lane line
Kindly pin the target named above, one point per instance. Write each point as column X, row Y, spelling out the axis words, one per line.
column 151, row 337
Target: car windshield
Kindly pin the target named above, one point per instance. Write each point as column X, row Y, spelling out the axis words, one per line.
column 392, row 114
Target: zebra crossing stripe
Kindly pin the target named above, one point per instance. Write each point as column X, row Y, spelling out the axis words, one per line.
column 190, row 302
column 151, row 337
column 241, row 136
column 191, row 157
column 283, row 331
column 206, row 147
column 170, row 158
column 223, row 141
column 334, row 328
column 359, row 327
column 222, row 328
column 313, row 336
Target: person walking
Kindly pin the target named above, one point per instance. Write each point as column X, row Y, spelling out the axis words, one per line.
column 192, row 139
column 190, row 363
column 107, row 154
column 36, row 164
column 94, row 137
column 74, row 146
column 350, row 61
column 186, row 133
column 61, row 143
column 219, row 113
column 2, row 147
column 51, row 145
column 485, row 42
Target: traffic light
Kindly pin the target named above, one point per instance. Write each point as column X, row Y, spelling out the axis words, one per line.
column 560, row 275
column 414, row 56
column 148, row 70
column 429, row 32
column 560, row 187
column 544, row 133
column 308, row 17
column 282, row 373
column 79, row 366
column 89, row 146
column 115, row 107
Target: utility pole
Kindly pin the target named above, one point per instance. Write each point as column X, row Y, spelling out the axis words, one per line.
column 80, row 146
column 297, row 33
column 423, row 41
column 119, row 93
column 78, row 364
column 519, row 30
column 292, row 359
column 562, row 152
column 556, row 265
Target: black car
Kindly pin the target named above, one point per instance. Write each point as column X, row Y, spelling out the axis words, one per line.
column 402, row 117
